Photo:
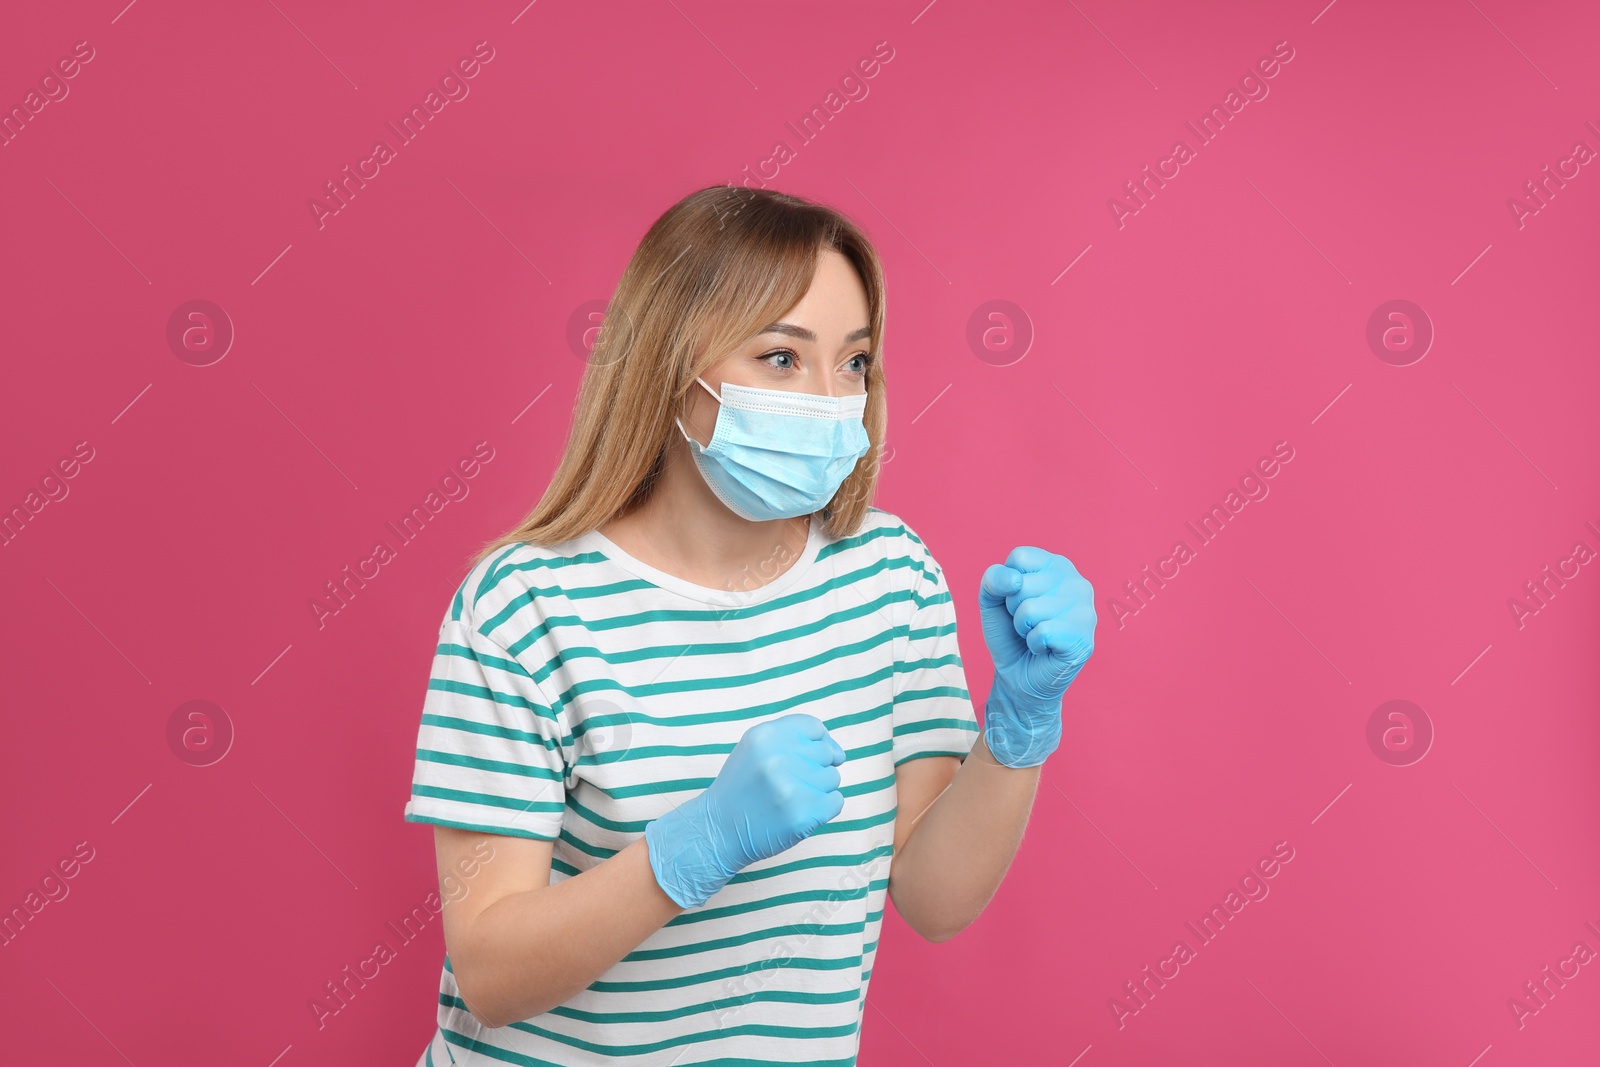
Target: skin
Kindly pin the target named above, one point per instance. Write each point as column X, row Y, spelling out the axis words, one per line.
column 521, row 946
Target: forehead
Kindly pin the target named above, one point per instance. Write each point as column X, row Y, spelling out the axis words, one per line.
column 835, row 306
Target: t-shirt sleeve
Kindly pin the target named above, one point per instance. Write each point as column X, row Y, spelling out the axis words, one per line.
column 491, row 754
column 933, row 713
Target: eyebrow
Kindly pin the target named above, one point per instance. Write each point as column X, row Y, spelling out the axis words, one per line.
column 804, row 334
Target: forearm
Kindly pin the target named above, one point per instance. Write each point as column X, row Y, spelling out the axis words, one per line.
column 530, row 951
column 962, row 846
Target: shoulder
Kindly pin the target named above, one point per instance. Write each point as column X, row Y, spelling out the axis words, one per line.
column 503, row 595
column 899, row 544
column 906, row 563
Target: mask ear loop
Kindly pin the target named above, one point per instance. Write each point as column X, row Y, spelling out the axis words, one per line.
column 679, row 420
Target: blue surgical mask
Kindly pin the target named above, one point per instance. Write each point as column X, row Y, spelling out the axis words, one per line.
column 776, row 454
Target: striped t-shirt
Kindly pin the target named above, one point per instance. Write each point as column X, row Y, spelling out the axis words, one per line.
column 578, row 693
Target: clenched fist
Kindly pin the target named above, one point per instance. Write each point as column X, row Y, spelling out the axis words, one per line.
column 1038, row 621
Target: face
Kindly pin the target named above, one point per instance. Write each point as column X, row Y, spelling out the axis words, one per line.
column 821, row 345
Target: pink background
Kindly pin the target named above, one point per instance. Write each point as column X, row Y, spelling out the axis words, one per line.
column 1230, row 313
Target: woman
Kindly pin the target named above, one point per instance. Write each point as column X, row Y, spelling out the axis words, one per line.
column 683, row 717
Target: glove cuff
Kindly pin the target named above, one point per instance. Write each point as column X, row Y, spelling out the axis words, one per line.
column 1020, row 737
column 682, row 856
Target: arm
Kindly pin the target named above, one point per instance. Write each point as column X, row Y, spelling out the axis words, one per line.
column 959, row 828
column 519, row 946
column 489, row 735
column 969, row 818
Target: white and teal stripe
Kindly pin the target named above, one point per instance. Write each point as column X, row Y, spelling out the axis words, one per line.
column 578, row 693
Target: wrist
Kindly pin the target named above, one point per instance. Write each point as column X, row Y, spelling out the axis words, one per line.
column 682, row 855
column 1020, row 734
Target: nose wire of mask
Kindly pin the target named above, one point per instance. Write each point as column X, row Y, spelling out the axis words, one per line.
column 788, row 402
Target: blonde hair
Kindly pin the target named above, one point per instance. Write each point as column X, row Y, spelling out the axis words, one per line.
column 714, row 269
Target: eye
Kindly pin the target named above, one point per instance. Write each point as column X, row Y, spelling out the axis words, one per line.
column 780, row 353
column 864, row 359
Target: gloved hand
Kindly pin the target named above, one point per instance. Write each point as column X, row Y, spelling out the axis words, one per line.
column 1038, row 621
column 780, row 783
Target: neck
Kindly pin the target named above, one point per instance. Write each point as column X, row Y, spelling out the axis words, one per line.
column 686, row 531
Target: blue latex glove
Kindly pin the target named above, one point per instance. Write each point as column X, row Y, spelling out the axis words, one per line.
column 1038, row 621
column 780, row 783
